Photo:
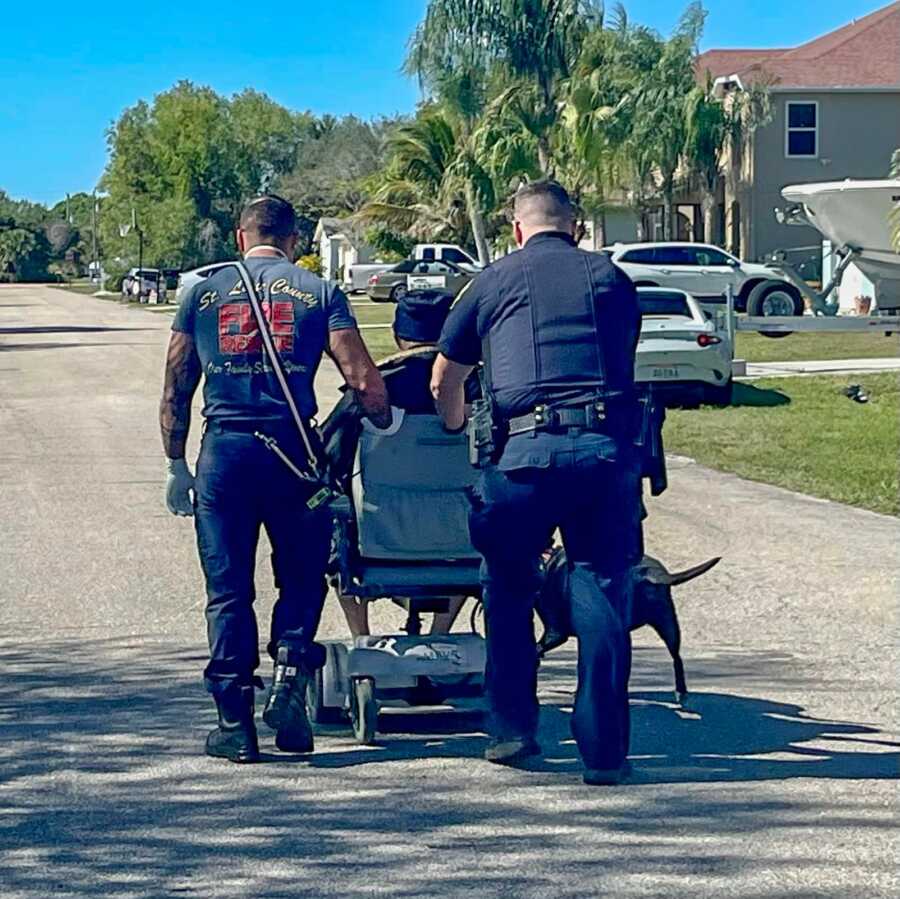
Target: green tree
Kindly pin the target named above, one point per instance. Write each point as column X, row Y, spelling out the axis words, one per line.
column 601, row 113
column 708, row 128
column 658, row 118
column 417, row 193
column 185, row 164
column 25, row 251
column 331, row 165
column 533, row 42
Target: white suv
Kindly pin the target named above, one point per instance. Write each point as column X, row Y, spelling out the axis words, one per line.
column 705, row 272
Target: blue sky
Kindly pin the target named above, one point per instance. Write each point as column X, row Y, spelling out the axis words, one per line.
column 68, row 70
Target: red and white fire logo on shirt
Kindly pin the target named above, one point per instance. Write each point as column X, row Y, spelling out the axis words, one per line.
column 239, row 332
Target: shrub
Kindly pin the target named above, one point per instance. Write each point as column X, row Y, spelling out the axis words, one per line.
column 115, row 274
column 311, row 262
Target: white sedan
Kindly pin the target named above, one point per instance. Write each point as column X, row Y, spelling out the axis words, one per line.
column 681, row 348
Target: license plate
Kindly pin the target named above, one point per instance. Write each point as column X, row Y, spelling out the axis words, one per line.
column 666, row 373
column 423, row 282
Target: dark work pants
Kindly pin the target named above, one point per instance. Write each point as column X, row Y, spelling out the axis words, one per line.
column 596, row 504
column 242, row 486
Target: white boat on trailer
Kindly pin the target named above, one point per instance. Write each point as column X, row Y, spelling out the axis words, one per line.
column 858, row 217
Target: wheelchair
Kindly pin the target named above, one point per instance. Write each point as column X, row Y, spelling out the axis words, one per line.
column 401, row 530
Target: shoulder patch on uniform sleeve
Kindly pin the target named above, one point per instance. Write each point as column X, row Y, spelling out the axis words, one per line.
column 462, row 293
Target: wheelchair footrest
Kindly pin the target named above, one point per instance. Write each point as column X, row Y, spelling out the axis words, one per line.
column 404, row 656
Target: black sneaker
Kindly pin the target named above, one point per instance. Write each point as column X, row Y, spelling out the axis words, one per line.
column 510, row 750
column 285, row 710
column 235, row 737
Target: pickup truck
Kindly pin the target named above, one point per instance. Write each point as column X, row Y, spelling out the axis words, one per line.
column 358, row 276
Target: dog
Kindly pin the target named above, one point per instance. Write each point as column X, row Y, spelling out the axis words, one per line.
column 652, row 605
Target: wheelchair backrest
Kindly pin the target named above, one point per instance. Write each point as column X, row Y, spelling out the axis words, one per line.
column 409, row 493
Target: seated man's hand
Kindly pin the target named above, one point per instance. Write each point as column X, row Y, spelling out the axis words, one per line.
column 179, row 485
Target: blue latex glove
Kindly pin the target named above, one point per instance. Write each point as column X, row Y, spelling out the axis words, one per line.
column 179, row 484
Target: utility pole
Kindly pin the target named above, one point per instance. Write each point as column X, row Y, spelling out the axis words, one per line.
column 140, row 272
column 95, row 261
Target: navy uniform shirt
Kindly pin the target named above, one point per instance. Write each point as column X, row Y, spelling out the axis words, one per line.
column 552, row 323
column 301, row 309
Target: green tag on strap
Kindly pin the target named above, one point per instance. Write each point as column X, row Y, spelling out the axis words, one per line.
column 318, row 498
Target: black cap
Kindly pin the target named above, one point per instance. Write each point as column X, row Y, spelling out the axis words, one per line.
column 421, row 314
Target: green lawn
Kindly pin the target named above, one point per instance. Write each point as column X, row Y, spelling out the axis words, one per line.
column 808, row 346
column 373, row 313
column 81, row 286
column 803, row 434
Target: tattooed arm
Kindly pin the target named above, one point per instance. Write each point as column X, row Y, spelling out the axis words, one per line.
column 181, row 380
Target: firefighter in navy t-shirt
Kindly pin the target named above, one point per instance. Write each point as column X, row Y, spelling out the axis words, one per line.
column 241, row 485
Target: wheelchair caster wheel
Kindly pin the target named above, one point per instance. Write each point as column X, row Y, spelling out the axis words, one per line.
column 363, row 709
column 318, row 712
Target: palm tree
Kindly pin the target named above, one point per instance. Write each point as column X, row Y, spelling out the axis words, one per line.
column 707, row 133
column 747, row 110
column 534, row 42
column 421, row 192
column 603, row 103
column 659, row 106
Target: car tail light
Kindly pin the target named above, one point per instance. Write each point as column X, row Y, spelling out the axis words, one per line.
column 708, row 339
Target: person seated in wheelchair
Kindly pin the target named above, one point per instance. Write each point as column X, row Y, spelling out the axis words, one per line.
column 418, row 321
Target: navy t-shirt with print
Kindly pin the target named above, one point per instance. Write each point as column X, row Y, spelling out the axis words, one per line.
column 301, row 309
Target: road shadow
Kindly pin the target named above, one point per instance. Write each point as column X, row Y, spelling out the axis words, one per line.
column 25, row 347
column 106, row 791
column 66, row 329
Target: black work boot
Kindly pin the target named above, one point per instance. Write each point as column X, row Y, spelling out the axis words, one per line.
column 285, row 710
column 235, row 737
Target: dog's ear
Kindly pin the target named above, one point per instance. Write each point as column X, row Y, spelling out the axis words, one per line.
column 666, row 578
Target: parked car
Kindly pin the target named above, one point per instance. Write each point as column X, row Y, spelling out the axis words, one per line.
column 359, row 275
column 391, row 285
column 706, row 272
column 682, row 348
column 186, row 280
column 138, row 283
column 446, row 252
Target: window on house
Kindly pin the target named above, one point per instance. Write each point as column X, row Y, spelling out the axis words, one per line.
column 802, row 138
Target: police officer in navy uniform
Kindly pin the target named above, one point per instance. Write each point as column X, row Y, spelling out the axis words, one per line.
column 241, row 484
column 557, row 330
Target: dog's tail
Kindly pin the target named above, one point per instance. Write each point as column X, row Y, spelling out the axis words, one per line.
column 673, row 579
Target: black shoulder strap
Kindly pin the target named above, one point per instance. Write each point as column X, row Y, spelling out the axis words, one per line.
column 277, row 365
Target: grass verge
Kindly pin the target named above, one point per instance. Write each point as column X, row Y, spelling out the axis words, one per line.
column 803, row 434
column 809, row 346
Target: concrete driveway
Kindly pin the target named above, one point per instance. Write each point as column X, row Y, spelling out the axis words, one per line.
column 780, row 782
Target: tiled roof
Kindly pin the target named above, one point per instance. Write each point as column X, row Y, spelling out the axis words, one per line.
column 865, row 53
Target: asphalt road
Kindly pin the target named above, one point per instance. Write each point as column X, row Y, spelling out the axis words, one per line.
column 781, row 782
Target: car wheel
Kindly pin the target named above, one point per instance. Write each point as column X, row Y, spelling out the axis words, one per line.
column 775, row 298
column 720, row 395
column 398, row 293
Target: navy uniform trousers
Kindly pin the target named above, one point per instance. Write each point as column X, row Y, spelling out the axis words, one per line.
column 241, row 487
column 595, row 502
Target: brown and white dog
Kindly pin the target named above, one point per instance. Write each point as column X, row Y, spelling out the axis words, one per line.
column 652, row 605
